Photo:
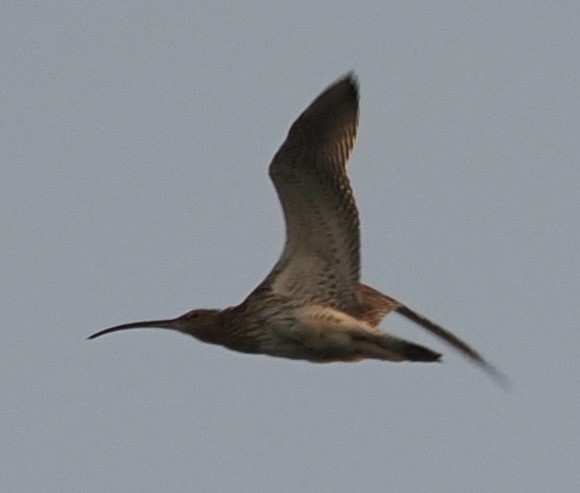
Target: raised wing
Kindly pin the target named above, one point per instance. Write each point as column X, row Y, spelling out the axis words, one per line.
column 321, row 260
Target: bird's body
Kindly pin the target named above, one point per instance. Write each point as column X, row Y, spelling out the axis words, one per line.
column 312, row 306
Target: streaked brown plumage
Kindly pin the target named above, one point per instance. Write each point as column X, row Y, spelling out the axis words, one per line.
column 312, row 305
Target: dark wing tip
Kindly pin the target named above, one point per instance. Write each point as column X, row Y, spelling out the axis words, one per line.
column 500, row 378
column 326, row 127
column 330, row 120
column 344, row 90
column 455, row 342
column 349, row 81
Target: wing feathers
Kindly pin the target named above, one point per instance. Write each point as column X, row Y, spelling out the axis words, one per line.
column 321, row 261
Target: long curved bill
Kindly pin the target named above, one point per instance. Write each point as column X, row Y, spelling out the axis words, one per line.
column 149, row 324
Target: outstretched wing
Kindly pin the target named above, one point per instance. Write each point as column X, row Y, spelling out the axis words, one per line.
column 321, row 260
column 373, row 306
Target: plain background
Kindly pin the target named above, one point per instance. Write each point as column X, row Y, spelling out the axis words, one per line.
column 135, row 140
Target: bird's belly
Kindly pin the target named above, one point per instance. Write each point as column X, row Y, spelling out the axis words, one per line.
column 316, row 334
column 323, row 354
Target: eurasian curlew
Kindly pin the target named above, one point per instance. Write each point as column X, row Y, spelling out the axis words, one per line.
column 312, row 306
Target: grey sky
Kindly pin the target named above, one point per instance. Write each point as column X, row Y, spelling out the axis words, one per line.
column 135, row 140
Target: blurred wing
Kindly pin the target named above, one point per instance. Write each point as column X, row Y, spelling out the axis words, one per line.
column 372, row 305
column 321, row 260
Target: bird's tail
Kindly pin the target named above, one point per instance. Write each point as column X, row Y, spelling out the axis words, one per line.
column 391, row 348
column 376, row 305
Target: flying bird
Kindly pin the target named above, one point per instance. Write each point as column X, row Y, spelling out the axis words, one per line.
column 312, row 305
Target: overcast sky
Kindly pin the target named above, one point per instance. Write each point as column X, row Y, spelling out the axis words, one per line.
column 134, row 144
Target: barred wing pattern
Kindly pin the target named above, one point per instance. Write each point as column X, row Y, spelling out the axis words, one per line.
column 321, row 258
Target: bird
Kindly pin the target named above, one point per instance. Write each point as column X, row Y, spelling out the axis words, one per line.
column 312, row 305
